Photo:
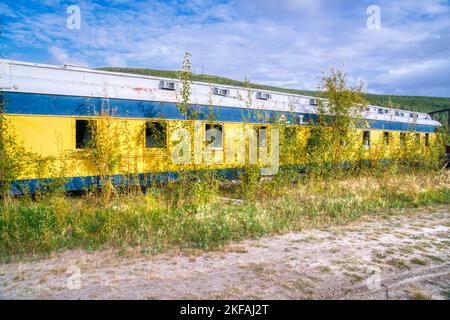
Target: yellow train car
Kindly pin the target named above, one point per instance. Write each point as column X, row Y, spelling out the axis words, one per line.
column 140, row 131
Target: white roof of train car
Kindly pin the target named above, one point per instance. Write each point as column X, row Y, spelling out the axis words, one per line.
column 79, row 80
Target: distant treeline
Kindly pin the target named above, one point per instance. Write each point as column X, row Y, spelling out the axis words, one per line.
column 413, row 103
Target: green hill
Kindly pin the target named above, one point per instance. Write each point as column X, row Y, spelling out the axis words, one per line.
column 414, row 103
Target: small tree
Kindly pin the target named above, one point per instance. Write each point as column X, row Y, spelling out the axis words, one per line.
column 332, row 138
column 14, row 159
column 104, row 147
column 181, row 190
column 185, row 76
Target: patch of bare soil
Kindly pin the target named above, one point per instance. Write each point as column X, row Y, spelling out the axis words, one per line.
column 406, row 256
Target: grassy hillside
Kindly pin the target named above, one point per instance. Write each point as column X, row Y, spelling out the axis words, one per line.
column 415, row 103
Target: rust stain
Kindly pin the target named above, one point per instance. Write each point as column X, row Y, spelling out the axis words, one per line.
column 139, row 90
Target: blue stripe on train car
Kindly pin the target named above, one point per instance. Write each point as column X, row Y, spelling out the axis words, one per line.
column 45, row 104
column 30, row 186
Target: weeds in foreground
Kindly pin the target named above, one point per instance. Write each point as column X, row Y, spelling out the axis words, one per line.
column 417, row 294
column 152, row 221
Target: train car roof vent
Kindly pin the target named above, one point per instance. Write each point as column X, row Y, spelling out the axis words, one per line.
column 167, row 85
column 221, row 92
column 263, row 95
column 75, row 66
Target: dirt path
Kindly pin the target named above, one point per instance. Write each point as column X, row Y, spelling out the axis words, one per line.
column 405, row 256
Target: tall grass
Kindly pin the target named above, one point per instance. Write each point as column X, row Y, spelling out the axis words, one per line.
column 155, row 223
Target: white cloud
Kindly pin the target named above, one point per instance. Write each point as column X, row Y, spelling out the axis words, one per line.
column 6, row 11
column 284, row 42
column 58, row 55
column 116, row 60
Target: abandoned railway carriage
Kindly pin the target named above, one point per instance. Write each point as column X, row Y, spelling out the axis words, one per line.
column 51, row 110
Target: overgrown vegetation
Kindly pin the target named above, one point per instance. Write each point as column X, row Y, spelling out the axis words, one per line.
column 103, row 148
column 135, row 219
column 339, row 180
column 14, row 159
column 333, row 139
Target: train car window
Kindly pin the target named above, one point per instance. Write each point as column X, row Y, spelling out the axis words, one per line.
column 83, row 133
column 366, row 139
column 155, row 135
column 214, row 135
column 262, row 137
column 427, row 139
column 386, row 138
column 402, row 138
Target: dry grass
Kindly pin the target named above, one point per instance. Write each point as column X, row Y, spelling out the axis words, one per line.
column 154, row 223
column 417, row 294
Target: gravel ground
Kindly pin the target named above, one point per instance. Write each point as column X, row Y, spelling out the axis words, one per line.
column 405, row 256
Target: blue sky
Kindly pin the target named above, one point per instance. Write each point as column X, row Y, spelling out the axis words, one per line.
column 286, row 43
